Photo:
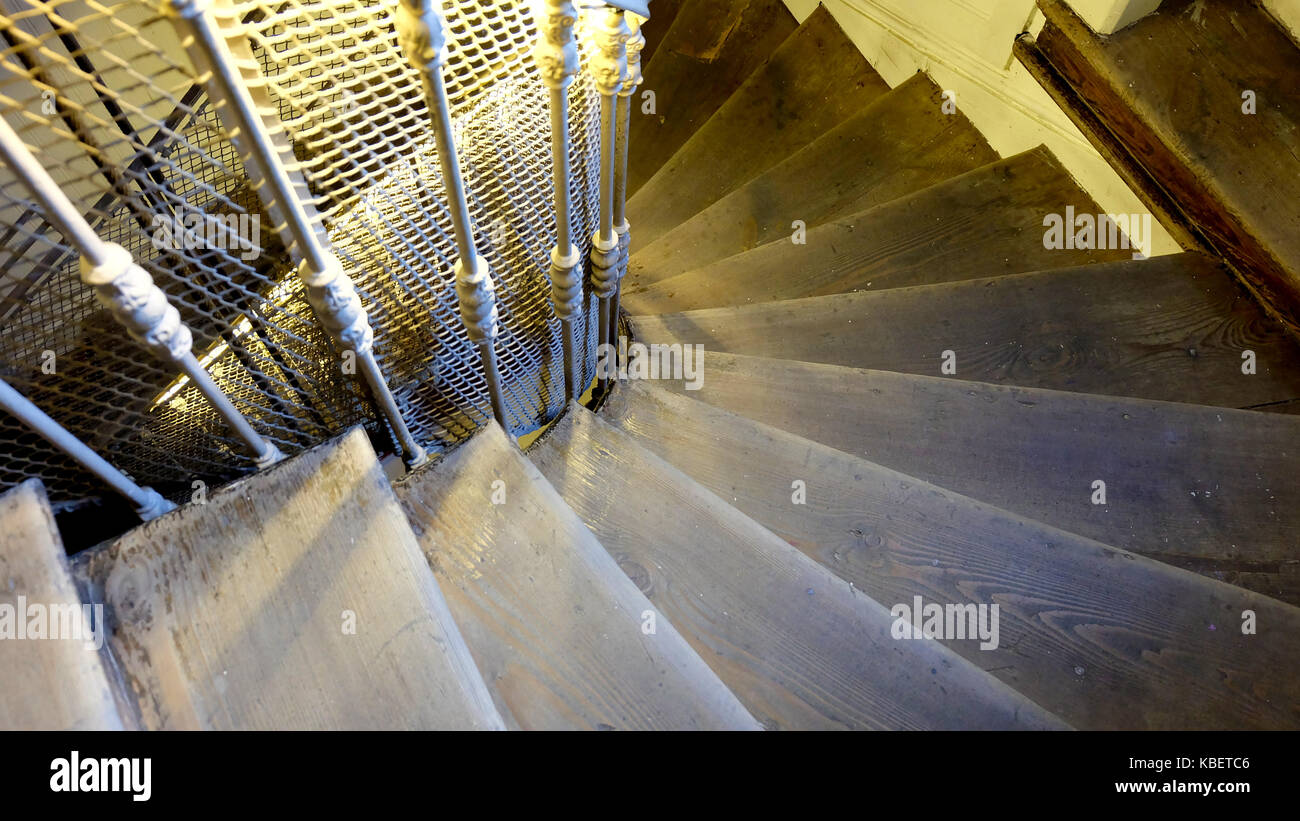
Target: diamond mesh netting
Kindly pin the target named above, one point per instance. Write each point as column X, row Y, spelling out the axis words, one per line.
column 106, row 96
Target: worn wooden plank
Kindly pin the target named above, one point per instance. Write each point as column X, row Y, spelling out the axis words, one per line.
column 1172, row 328
column 983, row 223
column 662, row 16
column 1207, row 489
column 899, row 144
column 55, row 681
column 712, row 47
column 1104, row 638
column 799, row 647
column 239, row 613
column 1171, row 88
column 815, row 80
column 553, row 623
column 1138, row 178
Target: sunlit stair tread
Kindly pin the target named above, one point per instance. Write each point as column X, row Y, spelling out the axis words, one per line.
column 1171, row 328
column 44, row 684
column 1102, row 637
column 812, row 82
column 711, row 48
column 296, row 598
column 797, row 645
column 1204, row 488
column 554, row 625
column 983, row 223
column 898, row 144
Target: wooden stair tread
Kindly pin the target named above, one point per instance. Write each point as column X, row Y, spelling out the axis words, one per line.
column 234, row 614
column 51, row 683
column 812, row 82
column 798, row 646
column 1172, row 328
column 983, row 223
column 1206, row 489
column 1104, row 638
column 662, row 15
column 712, row 46
column 898, row 144
column 1170, row 87
column 553, row 623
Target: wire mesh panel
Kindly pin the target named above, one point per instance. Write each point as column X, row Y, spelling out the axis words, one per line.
column 106, row 96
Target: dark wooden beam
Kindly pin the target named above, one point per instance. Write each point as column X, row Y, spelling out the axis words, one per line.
column 1162, row 100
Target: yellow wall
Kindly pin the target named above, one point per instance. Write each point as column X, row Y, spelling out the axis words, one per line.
column 1288, row 12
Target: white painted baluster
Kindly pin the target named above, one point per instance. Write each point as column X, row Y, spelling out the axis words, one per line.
column 609, row 67
column 557, row 62
column 329, row 289
column 634, row 46
column 147, row 501
column 128, row 291
column 422, row 31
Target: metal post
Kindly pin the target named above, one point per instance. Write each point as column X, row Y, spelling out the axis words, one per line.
column 127, row 290
column 634, row 46
column 422, row 32
column 329, row 289
column 147, row 501
column 557, row 62
column 609, row 67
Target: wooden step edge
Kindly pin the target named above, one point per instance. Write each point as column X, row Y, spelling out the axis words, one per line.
column 1186, row 480
column 857, row 83
column 700, row 37
column 168, row 694
column 57, row 681
column 1245, row 416
column 1030, row 548
column 1089, row 329
column 685, row 233
column 1191, row 258
column 663, row 14
column 677, row 689
column 994, row 704
column 939, row 192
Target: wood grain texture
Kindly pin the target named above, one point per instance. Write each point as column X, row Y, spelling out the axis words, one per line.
column 1102, row 637
column 233, row 614
column 983, row 223
column 898, row 144
column 711, row 48
column 553, row 623
column 1170, row 88
column 1171, row 328
column 798, row 646
column 815, row 80
column 1206, row 489
column 54, row 683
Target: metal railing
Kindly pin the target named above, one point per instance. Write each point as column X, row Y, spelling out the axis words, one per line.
column 321, row 212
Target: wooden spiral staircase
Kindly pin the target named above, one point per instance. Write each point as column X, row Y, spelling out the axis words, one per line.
column 648, row 565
